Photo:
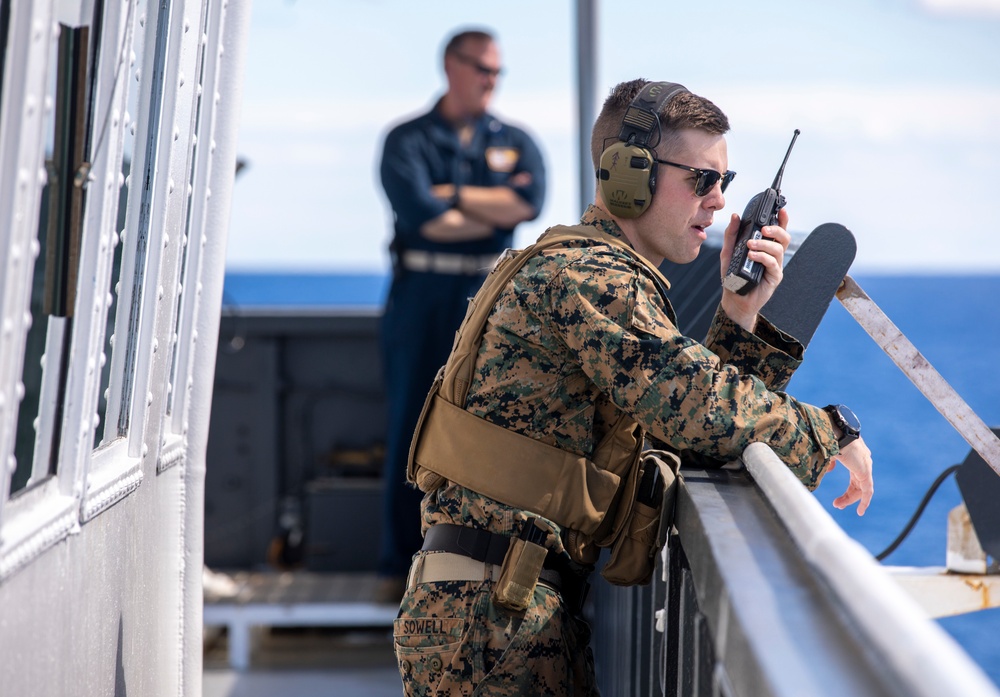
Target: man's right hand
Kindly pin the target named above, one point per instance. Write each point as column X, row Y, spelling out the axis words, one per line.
column 769, row 251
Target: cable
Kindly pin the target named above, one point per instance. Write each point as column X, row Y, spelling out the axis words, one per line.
column 916, row 515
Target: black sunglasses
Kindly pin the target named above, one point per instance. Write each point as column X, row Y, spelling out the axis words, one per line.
column 706, row 177
column 483, row 70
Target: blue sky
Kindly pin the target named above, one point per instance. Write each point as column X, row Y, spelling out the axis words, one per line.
column 898, row 102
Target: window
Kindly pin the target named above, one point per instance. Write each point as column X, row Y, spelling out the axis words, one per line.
column 196, row 173
column 53, row 290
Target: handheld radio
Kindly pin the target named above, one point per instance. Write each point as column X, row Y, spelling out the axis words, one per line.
column 744, row 274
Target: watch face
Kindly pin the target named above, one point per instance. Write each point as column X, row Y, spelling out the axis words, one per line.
column 850, row 419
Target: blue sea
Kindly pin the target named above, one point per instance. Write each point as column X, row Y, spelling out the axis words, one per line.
column 954, row 321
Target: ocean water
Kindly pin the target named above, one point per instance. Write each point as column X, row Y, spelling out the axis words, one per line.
column 954, row 321
column 955, row 324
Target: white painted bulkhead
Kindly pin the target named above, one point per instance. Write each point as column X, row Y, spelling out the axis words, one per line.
column 101, row 531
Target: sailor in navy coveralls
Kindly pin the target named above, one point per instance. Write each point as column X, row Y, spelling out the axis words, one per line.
column 458, row 180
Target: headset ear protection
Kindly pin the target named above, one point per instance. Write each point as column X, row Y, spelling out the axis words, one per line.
column 626, row 173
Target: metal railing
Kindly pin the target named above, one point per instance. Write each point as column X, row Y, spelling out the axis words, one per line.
column 764, row 595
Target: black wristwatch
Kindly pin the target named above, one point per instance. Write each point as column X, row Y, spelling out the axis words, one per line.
column 848, row 423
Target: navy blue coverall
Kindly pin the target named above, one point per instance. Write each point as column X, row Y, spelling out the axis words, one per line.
column 425, row 307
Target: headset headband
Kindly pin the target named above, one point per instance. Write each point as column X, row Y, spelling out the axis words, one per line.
column 642, row 118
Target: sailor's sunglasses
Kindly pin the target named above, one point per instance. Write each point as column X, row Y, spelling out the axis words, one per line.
column 483, row 70
column 706, row 177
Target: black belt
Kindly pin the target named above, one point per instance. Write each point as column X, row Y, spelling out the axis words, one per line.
column 491, row 548
column 481, row 545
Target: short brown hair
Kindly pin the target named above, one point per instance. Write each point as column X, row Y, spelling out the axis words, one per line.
column 456, row 42
column 685, row 110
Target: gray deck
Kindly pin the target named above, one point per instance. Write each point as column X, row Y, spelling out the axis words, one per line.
column 297, row 634
column 306, row 662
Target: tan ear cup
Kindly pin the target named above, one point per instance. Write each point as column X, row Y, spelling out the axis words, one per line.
column 626, row 179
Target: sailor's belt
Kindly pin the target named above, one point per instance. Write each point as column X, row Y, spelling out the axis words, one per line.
column 446, row 262
column 435, row 567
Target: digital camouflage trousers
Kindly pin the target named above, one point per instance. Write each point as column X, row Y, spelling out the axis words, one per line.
column 451, row 640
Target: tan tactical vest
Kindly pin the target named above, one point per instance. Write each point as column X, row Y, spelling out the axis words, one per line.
column 592, row 499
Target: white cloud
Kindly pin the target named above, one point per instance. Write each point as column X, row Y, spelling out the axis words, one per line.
column 964, row 8
column 884, row 113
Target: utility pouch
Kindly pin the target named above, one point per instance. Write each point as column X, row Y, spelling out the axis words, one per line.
column 521, row 567
column 633, row 554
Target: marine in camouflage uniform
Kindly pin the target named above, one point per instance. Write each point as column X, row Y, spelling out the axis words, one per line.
column 578, row 332
column 581, row 334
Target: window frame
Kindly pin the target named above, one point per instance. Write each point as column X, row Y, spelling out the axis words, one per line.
column 44, row 514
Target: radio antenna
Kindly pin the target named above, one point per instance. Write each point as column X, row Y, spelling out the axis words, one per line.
column 781, row 170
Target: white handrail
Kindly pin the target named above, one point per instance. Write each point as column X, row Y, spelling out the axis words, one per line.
column 924, row 656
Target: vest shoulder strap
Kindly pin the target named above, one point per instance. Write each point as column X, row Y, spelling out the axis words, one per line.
column 458, row 370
